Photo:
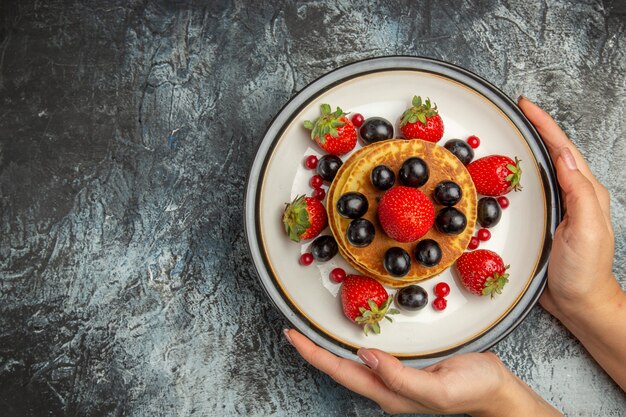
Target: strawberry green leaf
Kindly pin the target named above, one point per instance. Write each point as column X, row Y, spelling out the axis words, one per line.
column 422, row 118
column 495, row 284
column 515, row 176
column 370, row 319
column 308, row 124
column 325, row 109
column 296, row 218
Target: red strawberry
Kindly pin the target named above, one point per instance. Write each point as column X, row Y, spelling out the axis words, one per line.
column 304, row 218
column 482, row 272
column 405, row 213
column 365, row 301
column 333, row 131
column 495, row 175
column 421, row 121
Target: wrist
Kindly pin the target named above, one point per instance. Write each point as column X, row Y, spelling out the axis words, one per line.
column 587, row 310
column 516, row 399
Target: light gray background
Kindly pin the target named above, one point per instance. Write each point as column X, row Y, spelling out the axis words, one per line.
column 126, row 132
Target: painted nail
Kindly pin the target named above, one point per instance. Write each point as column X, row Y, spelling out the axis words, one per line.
column 568, row 158
column 286, row 333
column 368, row 358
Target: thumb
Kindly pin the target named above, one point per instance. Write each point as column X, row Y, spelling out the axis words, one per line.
column 413, row 383
column 581, row 200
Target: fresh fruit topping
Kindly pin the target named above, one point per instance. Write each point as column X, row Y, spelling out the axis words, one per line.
column 440, row 304
column 352, row 205
column 357, row 120
column 360, row 232
column 337, row 275
column 421, row 121
column 310, row 162
column 488, row 212
column 482, row 272
column 495, row 175
column 405, row 213
column 332, row 131
column 461, row 150
column 318, row 194
column 411, row 298
column 324, row 248
column 473, row 141
column 304, row 218
column 366, row 302
column 383, row 177
column 316, row 181
column 447, row 193
column 503, row 201
column 397, row 262
column 376, row 129
column 442, row 289
column 473, row 243
column 483, row 235
column 450, row 221
column 414, row 172
column 306, row 259
column 328, row 166
column 428, row 253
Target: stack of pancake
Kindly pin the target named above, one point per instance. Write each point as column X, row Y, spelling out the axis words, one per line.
column 354, row 175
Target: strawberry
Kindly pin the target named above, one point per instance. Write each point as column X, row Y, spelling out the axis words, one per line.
column 482, row 272
column 304, row 218
column 495, row 175
column 333, row 131
column 365, row 301
column 421, row 121
column 405, row 213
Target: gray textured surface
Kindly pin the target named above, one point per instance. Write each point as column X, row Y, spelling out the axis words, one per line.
column 125, row 282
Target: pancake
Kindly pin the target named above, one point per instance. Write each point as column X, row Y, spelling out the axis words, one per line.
column 354, row 175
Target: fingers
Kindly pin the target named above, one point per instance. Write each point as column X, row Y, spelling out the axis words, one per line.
column 409, row 382
column 551, row 133
column 351, row 375
column 583, row 207
column 556, row 140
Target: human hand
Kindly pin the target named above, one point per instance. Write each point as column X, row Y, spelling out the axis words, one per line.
column 474, row 383
column 580, row 266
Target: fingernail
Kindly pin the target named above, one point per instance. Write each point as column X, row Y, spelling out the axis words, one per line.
column 568, row 158
column 521, row 97
column 286, row 333
column 368, row 358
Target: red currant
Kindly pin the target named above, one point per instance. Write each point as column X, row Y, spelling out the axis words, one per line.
column 337, row 275
column 357, row 120
column 316, row 181
column 484, row 235
column 318, row 193
column 473, row 244
column 442, row 289
column 503, row 201
column 311, row 162
column 473, row 141
column 306, row 259
column 440, row 304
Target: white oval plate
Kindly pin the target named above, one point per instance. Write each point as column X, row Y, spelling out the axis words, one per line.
column 468, row 105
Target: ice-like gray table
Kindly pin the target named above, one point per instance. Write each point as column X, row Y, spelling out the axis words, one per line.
column 126, row 132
